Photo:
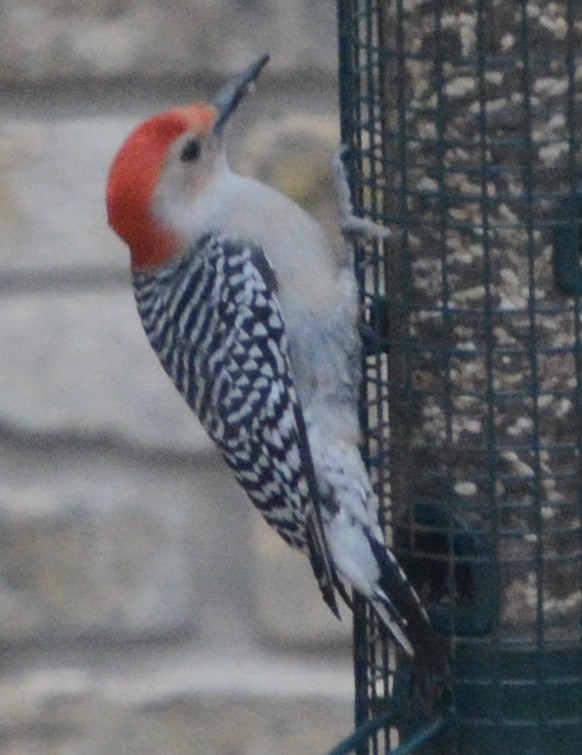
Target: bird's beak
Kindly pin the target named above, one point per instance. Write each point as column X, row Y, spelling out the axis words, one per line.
column 229, row 97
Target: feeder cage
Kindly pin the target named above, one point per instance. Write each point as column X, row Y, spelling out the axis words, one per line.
column 464, row 119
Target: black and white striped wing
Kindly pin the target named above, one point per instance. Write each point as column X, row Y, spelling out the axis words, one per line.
column 214, row 321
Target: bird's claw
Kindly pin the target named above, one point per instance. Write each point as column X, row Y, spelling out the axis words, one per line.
column 351, row 225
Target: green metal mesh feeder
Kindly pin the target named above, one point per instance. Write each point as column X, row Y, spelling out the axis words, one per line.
column 465, row 122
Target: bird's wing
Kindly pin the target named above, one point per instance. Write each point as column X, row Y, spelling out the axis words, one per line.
column 214, row 319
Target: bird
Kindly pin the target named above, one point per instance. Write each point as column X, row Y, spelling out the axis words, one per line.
column 254, row 316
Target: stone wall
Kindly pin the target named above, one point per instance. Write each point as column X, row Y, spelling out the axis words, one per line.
column 144, row 605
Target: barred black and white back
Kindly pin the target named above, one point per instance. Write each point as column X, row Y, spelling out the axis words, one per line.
column 218, row 331
column 213, row 318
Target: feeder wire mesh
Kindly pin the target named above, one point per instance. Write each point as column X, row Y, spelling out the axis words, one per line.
column 465, row 122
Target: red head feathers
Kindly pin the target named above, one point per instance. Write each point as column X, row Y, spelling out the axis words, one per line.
column 135, row 174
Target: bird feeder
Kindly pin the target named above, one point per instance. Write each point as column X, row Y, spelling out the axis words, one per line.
column 464, row 119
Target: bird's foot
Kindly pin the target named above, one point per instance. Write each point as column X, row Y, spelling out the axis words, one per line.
column 352, row 226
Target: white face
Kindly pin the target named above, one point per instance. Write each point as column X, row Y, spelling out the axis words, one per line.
column 191, row 165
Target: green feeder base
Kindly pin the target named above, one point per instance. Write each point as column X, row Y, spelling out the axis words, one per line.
column 519, row 702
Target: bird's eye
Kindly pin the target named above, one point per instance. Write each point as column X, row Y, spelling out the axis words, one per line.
column 190, row 151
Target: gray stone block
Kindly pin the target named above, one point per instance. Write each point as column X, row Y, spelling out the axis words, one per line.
column 99, row 39
column 96, row 541
column 52, row 182
column 245, row 706
column 96, row 561
column 80, row 364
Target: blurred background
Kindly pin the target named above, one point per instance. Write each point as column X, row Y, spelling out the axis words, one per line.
column 145, row 607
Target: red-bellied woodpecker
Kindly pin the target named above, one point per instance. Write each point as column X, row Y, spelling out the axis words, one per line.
column 255, row 320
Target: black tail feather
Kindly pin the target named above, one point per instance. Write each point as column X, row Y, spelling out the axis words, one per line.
column 429, row 648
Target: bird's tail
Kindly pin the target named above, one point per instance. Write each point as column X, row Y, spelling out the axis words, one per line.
column 403, row 615
column 406, row 621
column 362, row 559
